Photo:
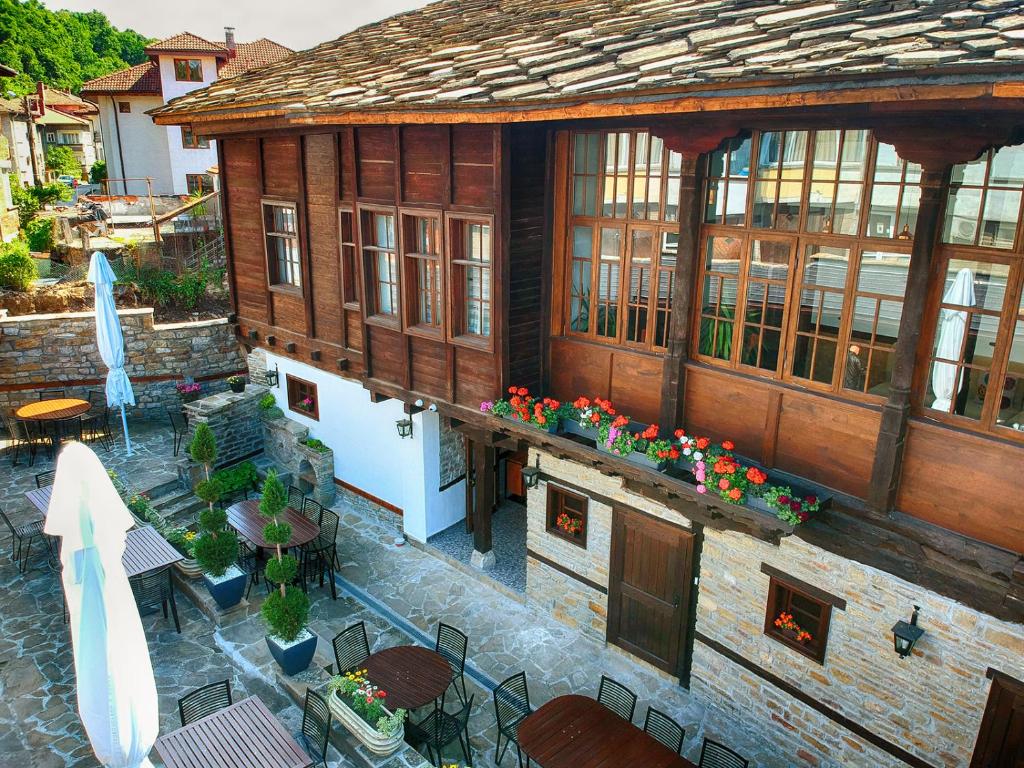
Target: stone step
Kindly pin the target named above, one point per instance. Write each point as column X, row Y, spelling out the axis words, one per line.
column 163, row 490
column 169, row 501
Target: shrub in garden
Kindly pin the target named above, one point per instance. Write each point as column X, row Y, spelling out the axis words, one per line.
column 40, row 234
column 216, row 547
column 17, row 270
column 286, row 609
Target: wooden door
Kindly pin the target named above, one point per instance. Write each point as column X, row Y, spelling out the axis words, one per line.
column 649, row 587
column 1001, row 738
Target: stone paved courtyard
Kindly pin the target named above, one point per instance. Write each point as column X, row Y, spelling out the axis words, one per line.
column 400, row 592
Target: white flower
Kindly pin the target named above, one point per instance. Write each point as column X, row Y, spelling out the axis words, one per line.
column 687, row 451
column 698, row 456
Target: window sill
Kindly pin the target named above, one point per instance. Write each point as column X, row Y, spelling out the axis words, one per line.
column 425, row 332
column 288, row 290
column 479, row 343
column 384, row 321
column 351, row 305
column 811, row 653
column 314, row 415
column 560, row 534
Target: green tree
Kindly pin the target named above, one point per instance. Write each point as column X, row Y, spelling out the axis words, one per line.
column 63, row 161
column 216, row 547
column 286, row 609
column 98, row 172
column 17, row 270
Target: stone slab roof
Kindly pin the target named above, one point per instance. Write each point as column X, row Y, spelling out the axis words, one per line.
column 142, row 80
column 475, row 54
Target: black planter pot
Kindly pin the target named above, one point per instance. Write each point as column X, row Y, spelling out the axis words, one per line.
column 641, row 458
column 237, row 387
column 572, row 427
column 294, row 658
column 227, row 593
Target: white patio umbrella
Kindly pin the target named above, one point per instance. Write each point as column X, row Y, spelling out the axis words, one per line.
column 110, row 340
column 117, row 698
column 952, row 327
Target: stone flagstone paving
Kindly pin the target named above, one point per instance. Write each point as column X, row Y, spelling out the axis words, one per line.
column 39, row 727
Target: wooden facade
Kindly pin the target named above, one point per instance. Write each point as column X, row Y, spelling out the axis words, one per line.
column 877, row 442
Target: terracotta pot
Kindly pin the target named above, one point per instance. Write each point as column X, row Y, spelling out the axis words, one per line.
column 368, row 736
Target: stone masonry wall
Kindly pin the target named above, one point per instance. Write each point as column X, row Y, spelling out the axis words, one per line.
column 39, row 351
column 453, row 454
column 235, row 419
column 930, row 704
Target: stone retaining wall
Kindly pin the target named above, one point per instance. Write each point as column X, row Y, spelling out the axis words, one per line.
column 235, row 420
column 40, row 351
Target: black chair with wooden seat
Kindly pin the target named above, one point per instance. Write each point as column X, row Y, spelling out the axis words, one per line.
column 296, row 498
column 716, row 755
column 664, row 729
column 179, row 425
column 350, row 648
column 439, row 729
column 44, row 479
column 511, row 707
column 22, row 539
column 452, row 643
column 316, row 726
column 204, row 701
column 155, row 589
column 617, row 697
column 318, row 555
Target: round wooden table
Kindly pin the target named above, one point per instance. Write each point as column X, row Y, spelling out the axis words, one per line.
column 53, row 410
column 246, row 518
column 412, row 676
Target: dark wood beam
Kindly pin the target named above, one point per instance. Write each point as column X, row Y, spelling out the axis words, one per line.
column 483, row 493
column 892, row 433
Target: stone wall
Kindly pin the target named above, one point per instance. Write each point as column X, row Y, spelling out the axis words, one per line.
column 40, row 351
column 930, row 704
column 235, row 420
column 311, row 471
column 453, row 454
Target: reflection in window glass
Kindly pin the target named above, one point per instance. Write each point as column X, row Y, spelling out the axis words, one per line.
column 579, row 295
column 895, row 195
column 609, row 278
column 586, row 164
column 822, row 286
column 1011, row 399
column 778, row 186
column 641, row 262
column 666, row 284
column 718, row 302
column 965, row 337
column 837, row 181
column 727, row 183
column 616, row 175
column 984, row 203
column 765, row 308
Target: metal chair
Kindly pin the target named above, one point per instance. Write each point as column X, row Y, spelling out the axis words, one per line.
column 715, row 755
column 249, row 562
column 22, row 538
column 664, row 729
column 94, row 425
column 43, row 479
column 318, row 555
column 311, row 509
column 451, row 643
column 156, row 590
column 204, row 701
column 180, row 426
column 617, row 697
column 511, row 707
column 316, row 726
column 296, row 498
column 350, row 648
column 439, row 729
column 19, row 436
column 53, row 393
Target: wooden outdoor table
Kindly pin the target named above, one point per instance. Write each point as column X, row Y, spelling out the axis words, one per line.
column 246, row 518
column 412, row 676
column 577, row 732
column 40, row 498
column 146, row 550
column 53, row 410
column 244, row 735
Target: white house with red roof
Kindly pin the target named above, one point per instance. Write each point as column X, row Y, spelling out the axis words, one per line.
column 174, row 157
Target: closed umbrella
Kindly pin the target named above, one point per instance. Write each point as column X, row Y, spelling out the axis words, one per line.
column 110, row 340
column 952, row 327
column 116, row 692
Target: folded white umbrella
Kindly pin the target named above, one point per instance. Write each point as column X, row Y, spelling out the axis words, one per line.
column 110, row 340
column 952, row 327
column 117, row 698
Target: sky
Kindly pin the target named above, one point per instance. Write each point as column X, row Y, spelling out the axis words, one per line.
column 297, row 24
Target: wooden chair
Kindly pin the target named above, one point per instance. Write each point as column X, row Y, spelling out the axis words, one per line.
column 511, row 707
column 155, row 589
column 204, row 701
column 316, row 726
column 617, row 697
column 716, row 755
column 664, row 729
column 350, row 648
column 439, row 729
column 22, row 538
column 452, row 643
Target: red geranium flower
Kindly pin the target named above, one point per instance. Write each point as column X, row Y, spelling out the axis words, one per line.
column 735, row 494
column 620, row 422
column 703, row 442
column 512, row 390
column 723, row 484
column 679, row 434
column 728, row 445
column 673, row 453
column 595, row 418
column 522, row 392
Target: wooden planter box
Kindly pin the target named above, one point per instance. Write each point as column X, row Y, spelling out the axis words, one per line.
column 367, row 735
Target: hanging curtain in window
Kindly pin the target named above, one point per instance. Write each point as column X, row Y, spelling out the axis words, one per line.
column 952, row 327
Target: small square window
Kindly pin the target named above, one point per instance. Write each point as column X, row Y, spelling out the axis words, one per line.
column 191, row 140
column 302, row 397
column 567, row 515
column 188, row 70
column 124, row 107
column 799, row 616
column 198, row 183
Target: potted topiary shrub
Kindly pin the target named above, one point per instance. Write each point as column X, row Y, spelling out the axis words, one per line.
column 237, row 383
column 286, row 608
column 216, row 546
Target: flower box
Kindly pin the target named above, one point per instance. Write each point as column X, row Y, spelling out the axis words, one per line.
column 573, row 427
column 374, row 741
column 642, row 459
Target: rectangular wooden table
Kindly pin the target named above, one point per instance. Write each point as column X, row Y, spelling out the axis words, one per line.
column 40, row 498
column 577, row 732
column 244, row 735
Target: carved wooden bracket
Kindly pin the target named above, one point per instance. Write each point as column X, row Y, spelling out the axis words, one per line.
column 693, row 139
column 940, row 143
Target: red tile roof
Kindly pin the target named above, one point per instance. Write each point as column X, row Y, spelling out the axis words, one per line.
column 186, row 41
column 248, row 56
column 142, row 79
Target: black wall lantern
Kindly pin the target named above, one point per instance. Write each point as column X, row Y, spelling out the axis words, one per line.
column 272, row 378
column 905, row 635
column 531, row 475
column 404, row 427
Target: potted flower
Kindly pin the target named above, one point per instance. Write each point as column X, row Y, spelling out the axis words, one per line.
column 651, row 451
column 237, row 383
column 569, row 524
column 614, row 438
column 306, row 404
column 184, row 540
column 790, row 629
column 691, row 449
column 188, row 390
column 286, row 608
column 786, row 505
column 361, row 708
column 216, row 546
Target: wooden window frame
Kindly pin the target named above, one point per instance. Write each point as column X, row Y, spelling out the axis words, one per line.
column 627, row 223
column 191, row 140
column 411, row 289
column 273, row 278
column 780, row 591
column 349, row 268
column 453, row 269
column 369, row 268
column 124, row 107
column 556, row 496
column 203, row 187
column 188, row 70
column 985, row 188
column 296, row 390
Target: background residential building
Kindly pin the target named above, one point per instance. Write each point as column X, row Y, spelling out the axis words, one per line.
column 176, row 159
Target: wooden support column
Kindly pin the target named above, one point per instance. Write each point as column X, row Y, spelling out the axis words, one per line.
column 483, row 503
column 892, row 433
column 673, row 378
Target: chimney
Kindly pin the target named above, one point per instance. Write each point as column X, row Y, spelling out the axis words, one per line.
column 229, row 40
column 40, row 98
